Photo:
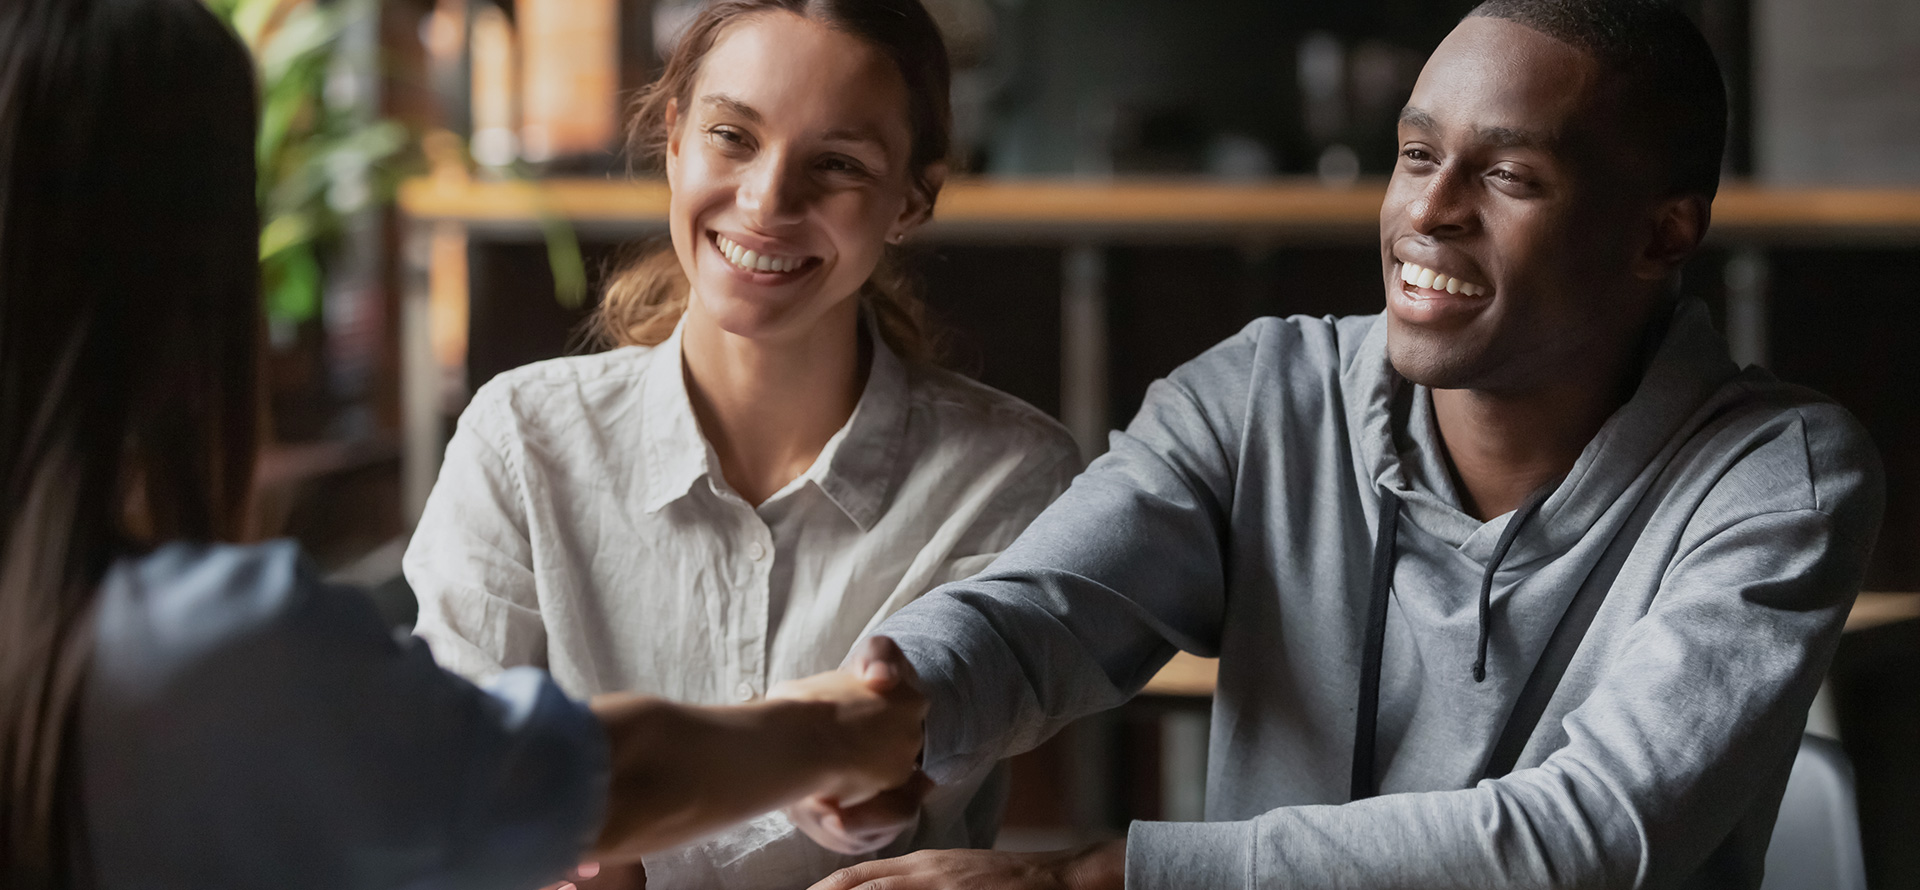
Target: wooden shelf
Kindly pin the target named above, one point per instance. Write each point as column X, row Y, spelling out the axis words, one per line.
column 1070, row 210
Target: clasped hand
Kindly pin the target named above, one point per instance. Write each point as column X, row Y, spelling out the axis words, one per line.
column 878, row 715
column 858, row 823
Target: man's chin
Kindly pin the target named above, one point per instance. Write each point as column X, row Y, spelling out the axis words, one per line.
column 1430, row 358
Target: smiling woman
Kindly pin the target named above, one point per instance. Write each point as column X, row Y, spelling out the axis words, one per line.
column 644, row 302
column 769, row 462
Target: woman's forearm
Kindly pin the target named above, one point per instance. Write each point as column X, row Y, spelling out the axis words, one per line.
column 680, row 771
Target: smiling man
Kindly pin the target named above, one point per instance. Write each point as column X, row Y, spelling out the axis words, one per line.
column 1522, row 583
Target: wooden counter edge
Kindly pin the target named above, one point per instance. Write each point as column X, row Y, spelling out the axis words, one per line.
column 1191, row 675
column 1742, row 208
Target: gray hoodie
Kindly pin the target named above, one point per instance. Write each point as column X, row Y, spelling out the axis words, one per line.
column 1696, row 564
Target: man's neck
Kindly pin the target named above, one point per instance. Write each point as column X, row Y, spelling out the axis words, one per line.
column 1504, row 448
column 770, row 408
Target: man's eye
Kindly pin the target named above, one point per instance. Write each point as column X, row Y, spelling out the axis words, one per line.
column 1418, row 155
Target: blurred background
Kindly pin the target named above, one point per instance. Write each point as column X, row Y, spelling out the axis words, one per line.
column 443, row 190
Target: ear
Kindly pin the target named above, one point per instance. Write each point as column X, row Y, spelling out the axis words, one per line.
column 1679, row 224
column 673, row 141
column 920, row 200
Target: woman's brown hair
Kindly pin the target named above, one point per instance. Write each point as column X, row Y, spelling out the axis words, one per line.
column 128, row 324
column 645, row 300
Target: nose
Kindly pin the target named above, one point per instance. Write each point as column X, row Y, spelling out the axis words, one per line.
column 773, row 191
column 1444, row 205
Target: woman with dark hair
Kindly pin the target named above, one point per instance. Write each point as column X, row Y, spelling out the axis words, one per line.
column 180, row 712
column 770, row 462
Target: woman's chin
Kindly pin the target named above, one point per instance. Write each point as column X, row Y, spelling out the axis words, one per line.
column 758, row 315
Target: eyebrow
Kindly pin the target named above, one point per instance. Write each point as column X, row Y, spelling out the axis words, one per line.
column 853, row 135
column 1496, row 137
column 732, row 106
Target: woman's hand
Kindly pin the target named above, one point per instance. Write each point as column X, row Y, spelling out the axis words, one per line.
column 682, row 771
column 874, row 738
column 591, row 876
column 862, row 829
column 1098, row 867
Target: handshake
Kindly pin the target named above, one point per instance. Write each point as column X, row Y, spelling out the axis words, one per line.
column 871, row 739
column 841, row 750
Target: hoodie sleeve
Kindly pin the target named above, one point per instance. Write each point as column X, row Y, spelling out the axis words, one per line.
column 1688, row 731
column 1095, row 596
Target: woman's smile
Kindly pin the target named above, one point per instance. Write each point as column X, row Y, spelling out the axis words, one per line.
column 759, row 262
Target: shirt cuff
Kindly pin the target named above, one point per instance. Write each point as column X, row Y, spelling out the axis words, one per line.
column 1189, row 854
column 552, row 798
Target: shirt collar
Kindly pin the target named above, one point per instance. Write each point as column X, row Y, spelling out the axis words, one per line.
column 675, row 453
column 860, row 460
column 855, row 470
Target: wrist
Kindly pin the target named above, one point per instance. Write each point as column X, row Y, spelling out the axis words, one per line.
column 812, row 735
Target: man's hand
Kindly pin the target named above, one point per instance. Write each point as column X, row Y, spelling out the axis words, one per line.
column 1098, row 867
column 867, row 826
column 873, row 744
column 862, row 829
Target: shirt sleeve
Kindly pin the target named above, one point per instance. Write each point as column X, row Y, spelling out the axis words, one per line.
column 470, row 562
column 246, row 726
column 1048, row 464
column 1699, row 709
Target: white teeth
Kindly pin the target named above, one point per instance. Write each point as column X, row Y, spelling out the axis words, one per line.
column 1422, row 277
column 754, row 261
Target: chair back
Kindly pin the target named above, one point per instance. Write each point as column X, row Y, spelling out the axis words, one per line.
column 1816, row 840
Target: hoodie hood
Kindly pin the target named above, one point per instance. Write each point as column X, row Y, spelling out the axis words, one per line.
column 1555, row 538
column 1398, row 442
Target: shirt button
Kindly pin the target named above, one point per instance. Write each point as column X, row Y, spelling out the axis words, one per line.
column 744, row 691
column 756, row 551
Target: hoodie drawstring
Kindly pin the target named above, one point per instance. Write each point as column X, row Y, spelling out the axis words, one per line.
column 1500, row 548
column 1369, row 711
column 1385, row 543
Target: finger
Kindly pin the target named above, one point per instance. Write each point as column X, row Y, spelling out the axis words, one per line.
column 819, row 822
column 856, row 875
column 884, row 655
column 878, row 660
column 888, row 811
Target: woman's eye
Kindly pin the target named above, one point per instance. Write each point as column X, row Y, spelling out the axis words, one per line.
column 727, row 136
column 841, row 165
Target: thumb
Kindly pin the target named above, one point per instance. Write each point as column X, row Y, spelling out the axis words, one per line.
column 879, row 661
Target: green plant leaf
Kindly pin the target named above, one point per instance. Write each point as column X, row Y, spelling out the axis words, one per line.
column 317, row 162
column 284, row 232
column 292, row 284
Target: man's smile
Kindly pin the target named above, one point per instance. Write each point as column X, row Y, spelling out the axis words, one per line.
column 1423, row 278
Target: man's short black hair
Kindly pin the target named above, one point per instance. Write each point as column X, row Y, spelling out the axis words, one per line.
column 1672, row 82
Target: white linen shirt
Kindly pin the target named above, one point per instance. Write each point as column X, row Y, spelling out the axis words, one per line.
column 581, row 524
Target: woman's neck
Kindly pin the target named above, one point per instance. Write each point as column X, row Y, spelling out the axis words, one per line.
column 770, row 407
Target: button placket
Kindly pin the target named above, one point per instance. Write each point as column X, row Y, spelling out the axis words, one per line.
column 751, row 645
